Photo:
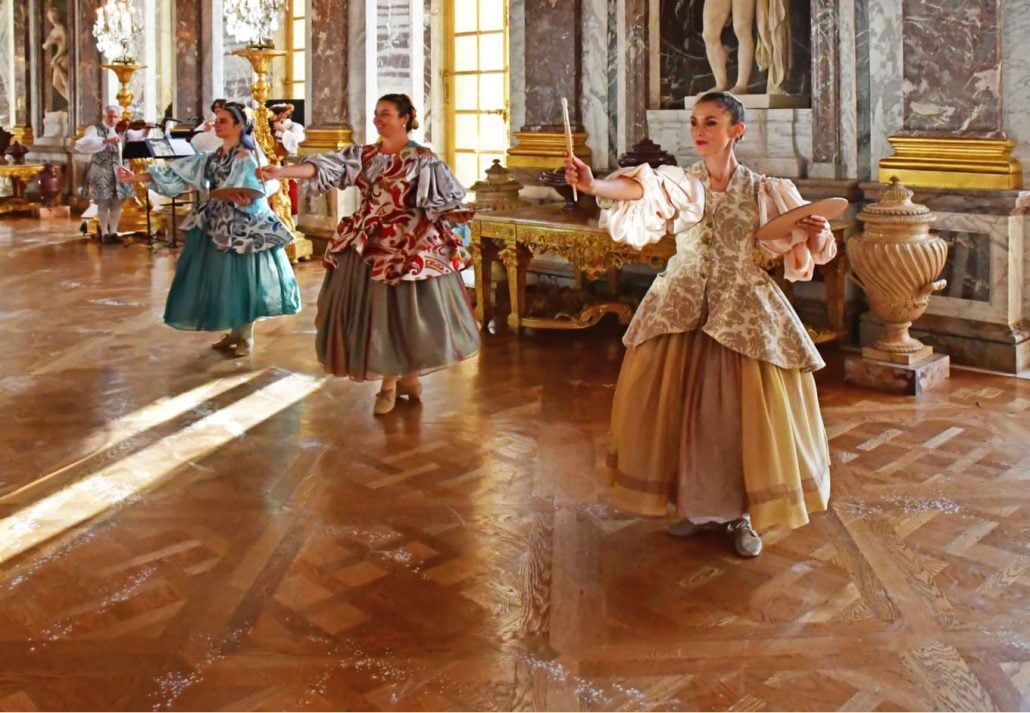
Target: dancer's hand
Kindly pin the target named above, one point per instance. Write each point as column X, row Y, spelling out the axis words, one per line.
column 267, row 173
column 813, row 225
column 112, row 140
column 578, row 174
column 240, row 198
column 127, row 176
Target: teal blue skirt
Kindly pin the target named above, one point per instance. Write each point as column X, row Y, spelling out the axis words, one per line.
column 214, row 290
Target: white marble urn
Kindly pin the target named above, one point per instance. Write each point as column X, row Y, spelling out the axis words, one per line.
column 896, row 260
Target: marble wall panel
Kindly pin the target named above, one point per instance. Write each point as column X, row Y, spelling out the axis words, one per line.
column 952, row 56
column 553, row 63
column 1015, row 79
column 863, row 110
column 19, row 42
column 826, row 75
column 7, row 51
column 968, row 269
column 356, row 67
column 86, row 79
column 986, row 269
column 635, row 57
column 616, row 76
column 329, row 104
column 427, row 71
column 517, row 64
column 594, row 97
column 684, row 65
column 885, row 78
column 189, row 49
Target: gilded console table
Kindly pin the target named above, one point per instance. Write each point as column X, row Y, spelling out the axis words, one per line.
column 20, row 175
column 515, row 237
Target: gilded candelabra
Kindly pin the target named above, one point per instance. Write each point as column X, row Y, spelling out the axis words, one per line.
column 134, row 216
column 260, row 59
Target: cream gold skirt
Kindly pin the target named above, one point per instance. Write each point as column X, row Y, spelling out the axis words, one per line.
column 717, row 434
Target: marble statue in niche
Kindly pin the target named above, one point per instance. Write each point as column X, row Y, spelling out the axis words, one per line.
column 773, row 49
column 58, row 61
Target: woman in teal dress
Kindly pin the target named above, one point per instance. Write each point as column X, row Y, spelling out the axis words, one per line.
column 233, row 268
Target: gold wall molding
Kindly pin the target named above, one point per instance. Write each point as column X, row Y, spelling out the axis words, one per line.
column 22, row 134
column 325, row 140
column 952, row 163
column 545, row 149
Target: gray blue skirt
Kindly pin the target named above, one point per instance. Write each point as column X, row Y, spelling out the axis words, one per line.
column 370, row 330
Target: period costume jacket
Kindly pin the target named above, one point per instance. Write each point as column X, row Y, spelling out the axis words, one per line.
column 404, row 226
column 716, row 281
column 101, row 183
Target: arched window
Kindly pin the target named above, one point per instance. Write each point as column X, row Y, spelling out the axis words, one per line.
column 476, row 85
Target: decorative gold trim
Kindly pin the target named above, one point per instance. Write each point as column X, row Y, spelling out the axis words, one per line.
column 23, row 135
column 545, row 149
column 324, row 140
column 952, row 163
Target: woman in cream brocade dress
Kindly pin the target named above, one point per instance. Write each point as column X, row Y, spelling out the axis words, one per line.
column 716, row 408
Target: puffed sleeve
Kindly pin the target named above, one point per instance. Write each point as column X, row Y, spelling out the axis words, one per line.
column 800, row 252
column 438, row 190
column 338, row 169
column 177, row 176
column 90, row 142
column 673, row 201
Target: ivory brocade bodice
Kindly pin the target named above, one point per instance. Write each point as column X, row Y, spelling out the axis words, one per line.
column 716, row 282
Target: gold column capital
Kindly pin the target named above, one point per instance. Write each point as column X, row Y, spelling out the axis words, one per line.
column 322, row 140
column 952, row 162
column 546, row 149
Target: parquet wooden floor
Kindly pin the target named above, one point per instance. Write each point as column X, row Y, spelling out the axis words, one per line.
column 182, row 531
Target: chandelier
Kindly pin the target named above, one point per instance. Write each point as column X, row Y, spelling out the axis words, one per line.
column 254, row 22
column 118, row 28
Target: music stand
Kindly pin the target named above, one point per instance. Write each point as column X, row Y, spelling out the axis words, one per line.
column 164, row 148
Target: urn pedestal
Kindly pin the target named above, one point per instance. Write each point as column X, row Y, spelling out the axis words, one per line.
column 896, row 261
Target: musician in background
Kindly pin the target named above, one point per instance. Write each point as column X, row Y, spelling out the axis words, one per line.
column 101, row 185
column 289, row 135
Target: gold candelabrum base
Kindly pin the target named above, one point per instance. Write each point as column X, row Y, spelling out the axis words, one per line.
column 134, row 213
column 260, row 59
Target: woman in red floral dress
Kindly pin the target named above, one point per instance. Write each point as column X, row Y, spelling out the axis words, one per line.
column 393, row 303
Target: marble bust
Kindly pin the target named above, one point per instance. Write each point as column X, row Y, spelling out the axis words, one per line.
column 773, row 48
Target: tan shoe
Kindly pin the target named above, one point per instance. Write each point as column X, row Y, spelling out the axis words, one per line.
column 225, row 344
column 385, row 401
column 746, row 541
column 412, row 389
column 242, row 349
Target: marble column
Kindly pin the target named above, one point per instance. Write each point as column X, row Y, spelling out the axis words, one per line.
column 328, row 106
column 554, row 52
column 189, row 53
column 633, row 79
column 329, row 117
column 21, row 111
column 86, row 71
column 826, row 94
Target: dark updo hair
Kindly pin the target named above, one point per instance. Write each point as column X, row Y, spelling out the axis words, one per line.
column 239, row 116
column 404, row 108
column 727, row 101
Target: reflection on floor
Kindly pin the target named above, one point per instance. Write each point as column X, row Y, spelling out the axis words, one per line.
column 180, row 530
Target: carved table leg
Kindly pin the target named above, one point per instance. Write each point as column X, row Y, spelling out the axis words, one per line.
column 516, row 261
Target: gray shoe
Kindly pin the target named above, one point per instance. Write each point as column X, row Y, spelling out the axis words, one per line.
column 746, row 541
column 686, row 528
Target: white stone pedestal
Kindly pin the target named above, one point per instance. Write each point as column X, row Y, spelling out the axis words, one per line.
column 778, row 142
